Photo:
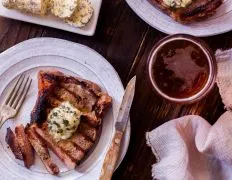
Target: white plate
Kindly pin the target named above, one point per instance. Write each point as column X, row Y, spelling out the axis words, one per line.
column 54, row 22
column 217, row 24
column 71, row 58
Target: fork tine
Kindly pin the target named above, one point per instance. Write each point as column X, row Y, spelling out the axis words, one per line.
column 23, row 95
column 12, row 90
column 15, row 91
column 20, row 93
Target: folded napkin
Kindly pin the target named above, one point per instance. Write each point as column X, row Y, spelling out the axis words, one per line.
column 189, row 148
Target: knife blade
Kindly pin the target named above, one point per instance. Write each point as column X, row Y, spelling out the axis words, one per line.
column 120, row 126
column 123, row 115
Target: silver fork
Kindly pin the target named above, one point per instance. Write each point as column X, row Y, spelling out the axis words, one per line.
column 15, row 99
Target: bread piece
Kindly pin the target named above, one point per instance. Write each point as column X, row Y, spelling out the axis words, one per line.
column 25, row 146
column 82, row 14
column 63, row 8
column 197, row 10
column 11, row 140
column 42, row 151
column 38, row 7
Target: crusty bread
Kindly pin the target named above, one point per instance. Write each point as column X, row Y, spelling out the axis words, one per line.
column 63, row 8
column 38, row 7
column 196, row 11
column 74, row 12
column 82, row 14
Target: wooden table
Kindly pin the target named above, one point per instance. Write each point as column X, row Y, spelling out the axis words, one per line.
column 125, row 41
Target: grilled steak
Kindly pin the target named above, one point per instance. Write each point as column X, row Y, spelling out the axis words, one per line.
column 41, row 150
column 11, row 140
column 56, row 88
column 197, row 10
column 68, row 161
column 25, row 146
column 89, row 131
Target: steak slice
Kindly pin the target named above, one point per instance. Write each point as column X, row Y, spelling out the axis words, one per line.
column 68, row 161
column 42, row 151
column 11, row 140
column 25, row 146
column 197, row 10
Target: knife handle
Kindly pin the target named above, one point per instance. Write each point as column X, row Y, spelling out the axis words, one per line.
column 111, row 157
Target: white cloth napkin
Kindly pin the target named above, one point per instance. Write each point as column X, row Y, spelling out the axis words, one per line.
column 189, row 148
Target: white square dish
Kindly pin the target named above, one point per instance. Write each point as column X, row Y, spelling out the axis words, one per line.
column 54, row 22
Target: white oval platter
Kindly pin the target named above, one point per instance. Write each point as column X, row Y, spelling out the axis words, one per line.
column 217, row 24
column 47, row 53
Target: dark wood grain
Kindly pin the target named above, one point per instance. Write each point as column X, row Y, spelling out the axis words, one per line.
column 125, row 41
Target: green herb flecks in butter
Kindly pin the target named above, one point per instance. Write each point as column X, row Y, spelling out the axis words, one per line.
column 63, row 121
column 177, row 3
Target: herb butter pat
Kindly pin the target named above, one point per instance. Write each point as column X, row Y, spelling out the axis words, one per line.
column 63, row 121
column 177, row 3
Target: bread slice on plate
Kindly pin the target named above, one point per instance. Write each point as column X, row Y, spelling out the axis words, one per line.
column 82, row 15
column 63, row 8
column 39, row 7
column 61, row 97
column 187, row 11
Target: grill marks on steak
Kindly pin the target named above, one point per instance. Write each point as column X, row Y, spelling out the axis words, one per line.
column 70, row 151
column 88, row 131
column 41, row 150
column 201, row 7
column 75, row 152
column 55, row 88
column 86, row 99
column 81, row 141
column 68, row 161
column 197, row 10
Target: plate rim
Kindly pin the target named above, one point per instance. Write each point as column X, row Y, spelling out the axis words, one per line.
column 47, row 39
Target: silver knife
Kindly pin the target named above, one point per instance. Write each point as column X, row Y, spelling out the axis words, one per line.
column 120, row 126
